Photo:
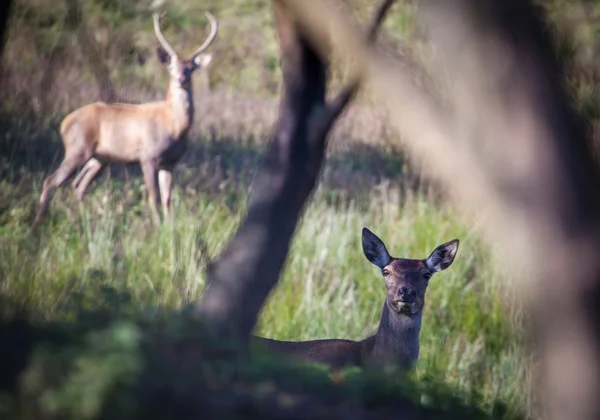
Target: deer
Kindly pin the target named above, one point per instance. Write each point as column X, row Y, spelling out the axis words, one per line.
column 396, row 341
column 153, row 134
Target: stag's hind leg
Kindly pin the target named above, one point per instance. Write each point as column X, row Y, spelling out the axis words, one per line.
column 87, row 175
column 56, row 179
column 89, row 164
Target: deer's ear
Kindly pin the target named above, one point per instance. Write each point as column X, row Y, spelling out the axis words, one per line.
column 163, row 56
column 443, row 256
column 374, row 249
column 202, row 60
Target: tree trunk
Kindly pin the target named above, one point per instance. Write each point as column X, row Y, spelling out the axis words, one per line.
column 240, row 280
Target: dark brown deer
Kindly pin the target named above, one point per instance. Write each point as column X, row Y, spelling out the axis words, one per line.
column 397, row 338
column 152, row 134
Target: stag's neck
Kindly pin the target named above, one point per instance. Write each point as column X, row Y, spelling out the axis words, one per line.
column 396, row 340
column 181, row 108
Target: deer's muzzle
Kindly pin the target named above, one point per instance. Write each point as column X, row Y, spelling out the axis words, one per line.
column 403, row 307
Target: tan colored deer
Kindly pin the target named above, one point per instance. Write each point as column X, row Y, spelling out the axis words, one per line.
column 397, row 339
column 152, row 134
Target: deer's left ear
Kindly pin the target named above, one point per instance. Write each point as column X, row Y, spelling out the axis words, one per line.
column 443, row 256
column 202, row 60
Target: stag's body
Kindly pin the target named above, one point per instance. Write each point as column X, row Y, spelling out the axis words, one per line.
column 153, row 134
column 397, row 338
column 155, row 131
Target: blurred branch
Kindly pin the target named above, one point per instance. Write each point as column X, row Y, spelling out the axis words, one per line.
column 243, row 276
column 511, row 149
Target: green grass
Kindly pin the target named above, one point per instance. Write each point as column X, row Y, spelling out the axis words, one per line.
column 328, row 288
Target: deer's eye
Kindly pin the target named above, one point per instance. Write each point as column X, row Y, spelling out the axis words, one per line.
column 385, row 272
column 427, row 276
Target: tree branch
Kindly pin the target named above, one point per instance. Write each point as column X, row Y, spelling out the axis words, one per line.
column 244, row 274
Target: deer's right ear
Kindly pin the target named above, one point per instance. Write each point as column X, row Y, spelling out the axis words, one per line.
column 163, row 56
column 374, row 249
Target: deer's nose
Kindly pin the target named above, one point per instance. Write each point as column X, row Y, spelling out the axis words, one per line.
column 407, row 294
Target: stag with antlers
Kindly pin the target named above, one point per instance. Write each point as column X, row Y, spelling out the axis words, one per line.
column 152, row 134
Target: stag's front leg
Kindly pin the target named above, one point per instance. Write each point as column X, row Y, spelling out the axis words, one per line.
column 150, row 171
column 165, row 181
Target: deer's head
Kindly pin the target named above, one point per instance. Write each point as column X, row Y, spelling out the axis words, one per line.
column 181, row 69
column 406, row 280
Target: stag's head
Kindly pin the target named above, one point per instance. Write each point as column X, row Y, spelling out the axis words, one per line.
column 181, row 69
column 406, row 280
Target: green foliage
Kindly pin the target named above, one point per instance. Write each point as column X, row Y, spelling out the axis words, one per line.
column 104, row 363
column 137, row 368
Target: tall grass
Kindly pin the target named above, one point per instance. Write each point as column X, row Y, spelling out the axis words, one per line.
column 328, row 288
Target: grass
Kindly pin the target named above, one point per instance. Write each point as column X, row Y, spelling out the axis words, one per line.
column 328, row 288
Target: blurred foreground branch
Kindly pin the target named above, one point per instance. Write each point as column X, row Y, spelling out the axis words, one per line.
column 511, row 149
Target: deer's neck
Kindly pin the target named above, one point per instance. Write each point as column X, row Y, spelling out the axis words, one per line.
column 180, row 104
column 396, row 340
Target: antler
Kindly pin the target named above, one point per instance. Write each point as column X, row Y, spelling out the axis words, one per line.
column 214, row 26
column 160, row 36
